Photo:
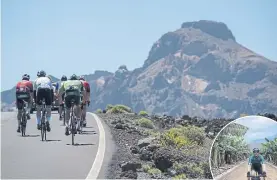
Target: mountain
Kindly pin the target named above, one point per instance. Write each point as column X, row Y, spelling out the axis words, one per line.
column 199, row 69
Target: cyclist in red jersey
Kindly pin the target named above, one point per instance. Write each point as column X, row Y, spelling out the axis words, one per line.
column 24, row 91
column 87, row 98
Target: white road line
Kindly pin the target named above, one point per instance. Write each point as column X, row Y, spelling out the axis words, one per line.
column 97, row 164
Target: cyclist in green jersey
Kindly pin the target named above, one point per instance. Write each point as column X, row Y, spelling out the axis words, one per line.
column 256, row 162
column 73, row 89
column 61, row 98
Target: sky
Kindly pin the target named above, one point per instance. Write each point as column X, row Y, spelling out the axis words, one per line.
column 64, row 37
column 259, row 127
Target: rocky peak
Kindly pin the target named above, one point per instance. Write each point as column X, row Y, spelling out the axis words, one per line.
column 216, row 29
column 121, row 72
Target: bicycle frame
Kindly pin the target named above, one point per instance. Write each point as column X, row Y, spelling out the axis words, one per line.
column 23, row 122
column 72, row 121
column 256, row 176
column 43, row 124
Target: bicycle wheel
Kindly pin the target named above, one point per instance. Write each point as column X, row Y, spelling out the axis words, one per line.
column 72, row 124
column 42, row 130
column 63, row 116
column 23, row 125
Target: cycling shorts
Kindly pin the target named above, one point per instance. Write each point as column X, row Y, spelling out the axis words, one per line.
column 46, row 94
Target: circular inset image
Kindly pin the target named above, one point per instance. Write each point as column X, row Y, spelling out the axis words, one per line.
column 246, row 148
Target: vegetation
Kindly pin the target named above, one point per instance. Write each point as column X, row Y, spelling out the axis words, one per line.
column 269, row 150
column 119, row 108
column 230, row 146
column 143, row 113
column 147, row 123
column 183, row 136
column 98, row 111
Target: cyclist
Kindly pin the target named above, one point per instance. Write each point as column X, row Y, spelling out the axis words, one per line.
column 43, row 89
column 86, row 97
column 256, row 163
column 61, row 98
column 73, row 89
column 24, row 90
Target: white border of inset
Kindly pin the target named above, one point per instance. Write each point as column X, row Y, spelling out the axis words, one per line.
column 220, row 132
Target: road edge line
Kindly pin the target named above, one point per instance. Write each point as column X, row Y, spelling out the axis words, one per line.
column 271, row 165
column 228, row 171
column 99, row 158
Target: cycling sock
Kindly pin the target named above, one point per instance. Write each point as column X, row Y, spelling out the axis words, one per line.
column 38, row 120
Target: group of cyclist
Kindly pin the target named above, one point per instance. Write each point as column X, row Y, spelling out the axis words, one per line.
column 74, row 88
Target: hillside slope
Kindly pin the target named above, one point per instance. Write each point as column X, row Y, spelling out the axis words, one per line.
column 199, row 70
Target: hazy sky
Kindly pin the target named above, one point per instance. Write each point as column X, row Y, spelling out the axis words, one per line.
column 80, row 36
column 259, row 127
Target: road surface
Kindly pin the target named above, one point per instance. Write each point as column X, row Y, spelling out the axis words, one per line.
column 239, row 173
column 30, row 158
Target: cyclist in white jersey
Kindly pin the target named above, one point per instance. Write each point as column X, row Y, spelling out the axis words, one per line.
column 43, row 89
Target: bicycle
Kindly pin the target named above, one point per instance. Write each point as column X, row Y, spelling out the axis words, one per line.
column 23, row 122
column 43, row 124
column 63, row 113
column 256, row 176
column 72, row 121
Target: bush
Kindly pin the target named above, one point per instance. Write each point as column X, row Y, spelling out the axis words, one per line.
column 119, row 109
column 146, row 167
column 174, row 137
column 109, row 106
column 195, row 134
column 147, row 123
column 154, row 171
column 98, row 111
column 143, row 113
column 180, row 176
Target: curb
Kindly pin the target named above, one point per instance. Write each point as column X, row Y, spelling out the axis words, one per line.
column 228, row 171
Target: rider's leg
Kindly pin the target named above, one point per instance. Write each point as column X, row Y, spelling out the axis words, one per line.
column 48, row 103
column 19, row 105
column 77, row 111
column 84, row 112
column 60, row 107
column 30, row 100
column 38, row 107
column 67, row 115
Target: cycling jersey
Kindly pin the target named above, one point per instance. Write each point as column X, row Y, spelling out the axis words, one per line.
column 87, row 89
column 24, row 86
column 42, row 83
column 72, row 85
column 255, row 160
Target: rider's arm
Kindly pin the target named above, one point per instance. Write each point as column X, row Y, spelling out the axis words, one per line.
column 262, row 159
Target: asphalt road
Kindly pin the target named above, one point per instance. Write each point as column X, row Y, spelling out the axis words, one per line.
column 239, row 173
column 30, row 158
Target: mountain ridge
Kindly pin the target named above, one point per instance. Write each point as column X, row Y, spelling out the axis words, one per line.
column 199, row 70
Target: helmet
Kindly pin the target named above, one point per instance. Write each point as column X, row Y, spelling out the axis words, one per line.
column 82, row 78
column 256, row 150
column 64, row 78
column 74, row 77
column 26, row 77
column 41, row 73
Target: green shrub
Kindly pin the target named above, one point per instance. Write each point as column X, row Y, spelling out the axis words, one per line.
column 119, row 108
column 194, row 134
column 98, row 111
column 174, row 137
column 143, row 113
column 153, row 171
column 147, row 123
column 109, row 106
column 180, row 176
column 146, row 167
